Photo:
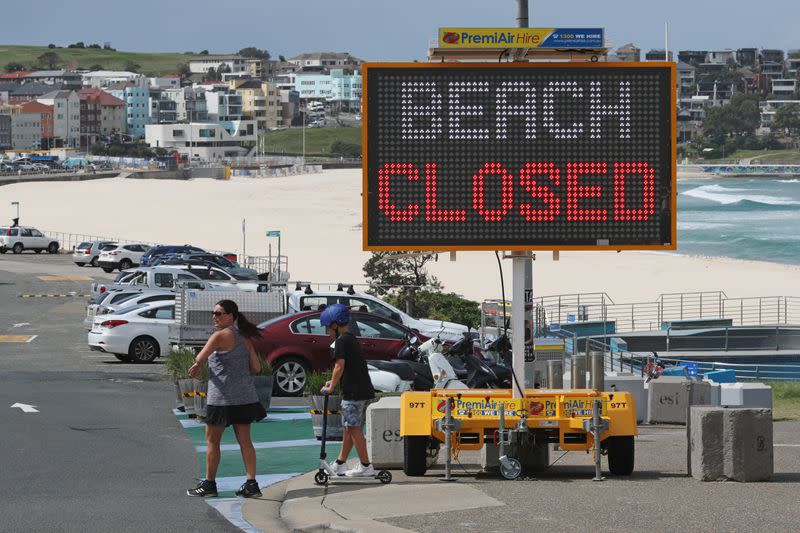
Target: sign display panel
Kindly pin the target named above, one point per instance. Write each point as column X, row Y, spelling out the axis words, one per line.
column 519, row 156
column 559, row 38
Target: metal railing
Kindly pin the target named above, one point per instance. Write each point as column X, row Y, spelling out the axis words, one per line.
column 672, row 307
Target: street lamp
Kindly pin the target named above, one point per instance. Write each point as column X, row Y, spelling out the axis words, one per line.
column 16, row 204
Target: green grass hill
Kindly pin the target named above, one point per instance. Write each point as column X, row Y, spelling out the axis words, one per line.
column 151, row 64
column 318, row 140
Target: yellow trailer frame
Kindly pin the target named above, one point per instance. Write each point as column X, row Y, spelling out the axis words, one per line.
column 560, row 414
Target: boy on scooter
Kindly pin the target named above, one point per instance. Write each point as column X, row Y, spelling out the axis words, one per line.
column 351, row 369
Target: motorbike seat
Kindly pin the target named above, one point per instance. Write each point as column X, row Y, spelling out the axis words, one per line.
column 401, row 368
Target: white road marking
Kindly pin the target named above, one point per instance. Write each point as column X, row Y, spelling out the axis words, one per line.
column 26, row 408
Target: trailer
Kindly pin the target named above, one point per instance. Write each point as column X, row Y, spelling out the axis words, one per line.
column 193, row 325
column 569, row 418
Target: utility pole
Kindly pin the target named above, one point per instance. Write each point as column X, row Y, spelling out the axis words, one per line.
column 522, row 13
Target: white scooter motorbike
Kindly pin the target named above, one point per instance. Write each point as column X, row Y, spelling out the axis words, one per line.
column 430, row 352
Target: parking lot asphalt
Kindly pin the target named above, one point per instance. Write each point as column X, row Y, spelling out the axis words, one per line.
column 103, row 451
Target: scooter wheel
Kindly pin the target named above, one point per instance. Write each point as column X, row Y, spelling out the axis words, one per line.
column 384, row 476
column 321, row 478
column 513, row 470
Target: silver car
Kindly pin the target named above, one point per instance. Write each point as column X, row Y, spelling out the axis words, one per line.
column 89, row 252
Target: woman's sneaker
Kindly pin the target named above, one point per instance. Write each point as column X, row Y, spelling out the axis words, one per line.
column 361, row 471
column 249, row 489
column 203, row 489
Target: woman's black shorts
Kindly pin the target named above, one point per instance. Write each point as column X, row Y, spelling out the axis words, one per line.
column 225, row 415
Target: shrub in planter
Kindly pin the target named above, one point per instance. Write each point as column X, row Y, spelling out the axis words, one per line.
column 176, row 365
column 263, row 382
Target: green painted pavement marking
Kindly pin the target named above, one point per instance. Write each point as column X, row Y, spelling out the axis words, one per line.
column 262, row 432
column 272, row 461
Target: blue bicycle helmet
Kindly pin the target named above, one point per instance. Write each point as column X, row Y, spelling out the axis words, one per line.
column 338, row 313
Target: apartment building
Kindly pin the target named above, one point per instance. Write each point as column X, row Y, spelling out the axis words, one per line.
column 770, row 107
column 326, row 60
column 201, row 66
column 5, row 130
column 137, row 106
column 190, row 103
column 102, row 115
column 261, row 102
column 46, row 119
column 102, row 79
column 66, row 117
column 61, row 78
column 26, row 129
column 201, row 141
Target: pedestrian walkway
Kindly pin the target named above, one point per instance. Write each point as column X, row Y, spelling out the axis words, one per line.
column 285, row 447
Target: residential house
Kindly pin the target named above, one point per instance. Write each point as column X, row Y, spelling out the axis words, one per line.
column 719, row 92
column 290, row 105
column 770, row 107
column 692, row 57
column 137, row 106
column 629, row 52
column 720, row 57
column 784, row 88
column 339, row 86
column 657, row 55
column 102, row 79
column 66, row 117
column 226, row 109
column 168, row 81
column 202, row 65
column 326, row 60
column 30, row 92
column 102, row 115
column 747, row 57
column 260, row 69
column 793, row 64
column 260, row 102
column 63, row 78
column 687, row 82
column 162, row 109
column 200, row 141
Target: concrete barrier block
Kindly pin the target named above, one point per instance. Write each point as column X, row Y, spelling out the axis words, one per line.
column 706, row 443
column 746, row 395
column 384, row 443
column 668, row 398
column 632, row 383
column 748, row 444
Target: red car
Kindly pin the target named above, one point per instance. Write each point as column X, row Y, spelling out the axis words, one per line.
column 297, row 344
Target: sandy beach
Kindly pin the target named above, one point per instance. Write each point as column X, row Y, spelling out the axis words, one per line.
column 319, row 217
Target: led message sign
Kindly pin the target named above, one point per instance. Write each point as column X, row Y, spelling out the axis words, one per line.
column 519, row 156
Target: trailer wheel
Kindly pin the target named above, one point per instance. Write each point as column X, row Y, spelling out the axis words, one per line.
column 620, row 455
column 415, row 455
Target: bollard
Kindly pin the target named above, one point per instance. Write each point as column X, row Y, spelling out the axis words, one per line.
column 448, row 418
column 597, row 407
column 597, row 370
column 555, row 377
column 578, row 371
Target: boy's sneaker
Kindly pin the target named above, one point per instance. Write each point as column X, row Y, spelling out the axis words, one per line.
column 249, row 490
column 361, row 471
column 339, row 469
column 203, row 489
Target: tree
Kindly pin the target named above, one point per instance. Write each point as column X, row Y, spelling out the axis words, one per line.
column 51, row 46
column 130, row 66
column 282, row 58
column 346, row 149
column 211, row 74
column 443, row 306
column 254, row 53
column 49, row 59
column 203, row 52
column 401, row 274
column 184, row 70
column 788, row 118
column 96, row 67
column 14, row 67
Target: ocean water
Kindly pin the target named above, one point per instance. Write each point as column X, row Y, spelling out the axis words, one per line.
column 745, row 218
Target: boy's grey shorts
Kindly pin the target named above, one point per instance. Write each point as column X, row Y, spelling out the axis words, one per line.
column 354, row 412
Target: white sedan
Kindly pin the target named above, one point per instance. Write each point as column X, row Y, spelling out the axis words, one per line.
column 137, row 334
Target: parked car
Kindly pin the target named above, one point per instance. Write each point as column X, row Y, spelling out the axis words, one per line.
column 114, row 302
column 205, row 258
column 307, row 299
column 122, row 256
column 166, row 277
column 296, row 344
column 161, row 250
column 20, row 238
column 89, row 252
column 137, row 334
column 40, row 167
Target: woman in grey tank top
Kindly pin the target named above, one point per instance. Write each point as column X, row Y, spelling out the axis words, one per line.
column 232, row 398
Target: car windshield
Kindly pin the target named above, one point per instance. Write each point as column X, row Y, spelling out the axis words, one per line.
column 108, row 246
column 83, row 246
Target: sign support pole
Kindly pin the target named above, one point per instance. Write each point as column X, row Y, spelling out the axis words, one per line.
column 522, row 283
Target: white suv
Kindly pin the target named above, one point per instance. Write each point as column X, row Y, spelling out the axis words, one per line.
column 121, row 256
column 20, row 238
column 307, row 300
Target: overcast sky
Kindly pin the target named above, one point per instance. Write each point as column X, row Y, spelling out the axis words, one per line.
column 379, row 30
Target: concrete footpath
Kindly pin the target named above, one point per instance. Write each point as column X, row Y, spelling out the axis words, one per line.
column 657, row 497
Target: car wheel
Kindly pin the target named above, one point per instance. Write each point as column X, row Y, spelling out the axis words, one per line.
column 52, row 248
column 93, row 262
column 290, row 376
column 80, row 264
column 108, row 270
column 125, row 264
column 123, row 357
column 38, row 250
column 144, row 350
column 17, row 248
column 3, row 250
